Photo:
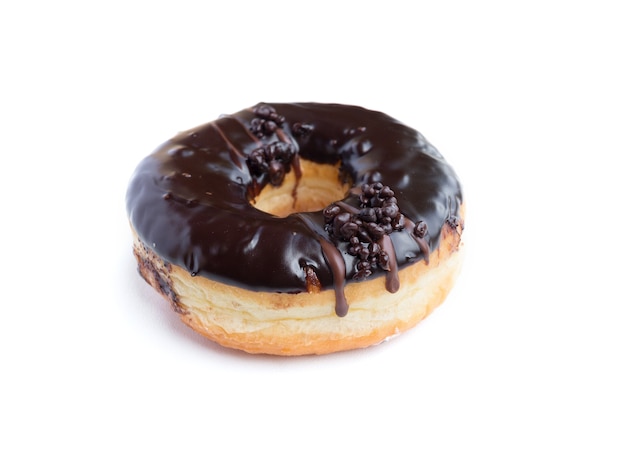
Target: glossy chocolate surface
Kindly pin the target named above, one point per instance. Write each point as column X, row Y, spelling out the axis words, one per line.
column 190, row 200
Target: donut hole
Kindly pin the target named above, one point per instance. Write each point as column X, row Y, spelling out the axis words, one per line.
column 319, row 186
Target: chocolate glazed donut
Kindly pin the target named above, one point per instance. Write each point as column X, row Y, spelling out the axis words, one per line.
column 294, row 229
column 192, row 201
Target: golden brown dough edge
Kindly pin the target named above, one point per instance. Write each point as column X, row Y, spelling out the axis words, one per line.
column 305, row 323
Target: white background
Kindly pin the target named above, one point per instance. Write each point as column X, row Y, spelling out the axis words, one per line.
column 527, row 100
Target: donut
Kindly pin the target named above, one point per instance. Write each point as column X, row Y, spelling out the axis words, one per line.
column 298, row 228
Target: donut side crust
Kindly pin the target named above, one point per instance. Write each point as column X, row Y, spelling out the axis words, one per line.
column 305, row 323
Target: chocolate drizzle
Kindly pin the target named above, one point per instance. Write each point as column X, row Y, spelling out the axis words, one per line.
column 190, row 200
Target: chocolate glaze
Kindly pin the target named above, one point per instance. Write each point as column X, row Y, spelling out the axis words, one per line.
column 190, row 200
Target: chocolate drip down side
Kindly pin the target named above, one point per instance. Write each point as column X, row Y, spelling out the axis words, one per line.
column 190, row 200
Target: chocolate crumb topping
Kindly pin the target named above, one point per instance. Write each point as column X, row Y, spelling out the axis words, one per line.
column 273, row 160
column 364, row 228
column 266, row 122
column 453, row 221
column 420, row 229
